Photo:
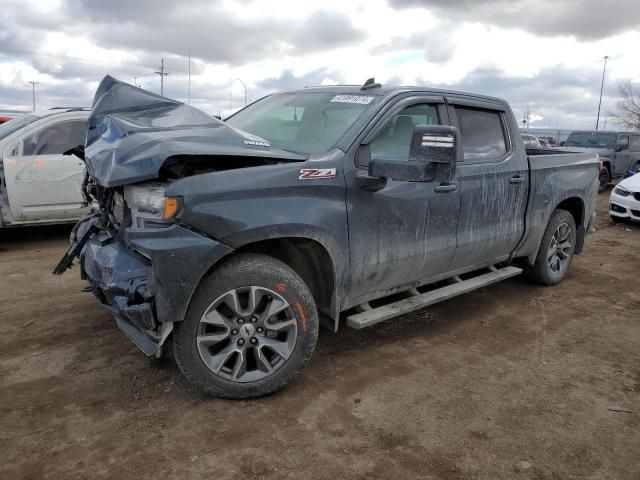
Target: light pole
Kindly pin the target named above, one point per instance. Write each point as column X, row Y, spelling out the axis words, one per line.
column 33, row 93
column 245, row 90
column 604, row 69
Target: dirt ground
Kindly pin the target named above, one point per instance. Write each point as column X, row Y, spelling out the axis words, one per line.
column 513, row 381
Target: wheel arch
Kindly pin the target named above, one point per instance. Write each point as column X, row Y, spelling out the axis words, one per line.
column 309, row 258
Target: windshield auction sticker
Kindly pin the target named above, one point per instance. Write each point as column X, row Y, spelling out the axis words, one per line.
column 361, row 99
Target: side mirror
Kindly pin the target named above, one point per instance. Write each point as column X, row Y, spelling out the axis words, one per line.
column 432, row 157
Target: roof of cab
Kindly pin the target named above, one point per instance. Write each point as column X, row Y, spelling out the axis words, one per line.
column 389, row 90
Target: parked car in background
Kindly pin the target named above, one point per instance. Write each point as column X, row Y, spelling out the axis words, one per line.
column 624, row 203
column 550, row 140
column 544, row 144
column 234, row 240
column 531, row 142
column 38, row 184
column 619, row 151
column 5, row 119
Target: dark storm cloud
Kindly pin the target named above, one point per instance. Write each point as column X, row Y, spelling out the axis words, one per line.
column 583, row 19
column 209, row 30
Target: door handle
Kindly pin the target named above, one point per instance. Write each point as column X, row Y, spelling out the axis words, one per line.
column 517, row 179
column 446, row 188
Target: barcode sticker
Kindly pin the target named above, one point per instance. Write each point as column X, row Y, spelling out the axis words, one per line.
column 361, row 99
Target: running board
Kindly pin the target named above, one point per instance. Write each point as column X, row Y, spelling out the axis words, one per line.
column 366, row 318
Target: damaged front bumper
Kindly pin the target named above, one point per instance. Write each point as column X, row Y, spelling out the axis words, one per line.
column 147, row 277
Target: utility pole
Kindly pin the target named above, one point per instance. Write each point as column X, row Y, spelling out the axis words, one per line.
column 162, row 74
column 245, row 90
column 604, row 69
column 33, row 92
column 189, row 81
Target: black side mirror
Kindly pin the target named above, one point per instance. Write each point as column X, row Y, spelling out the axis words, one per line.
column 432, row 157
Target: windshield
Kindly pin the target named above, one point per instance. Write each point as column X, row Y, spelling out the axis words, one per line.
column 307, row 123
column 591, row 140
column 16, row 124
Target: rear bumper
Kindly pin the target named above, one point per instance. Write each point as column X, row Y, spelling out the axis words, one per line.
column 146, row 281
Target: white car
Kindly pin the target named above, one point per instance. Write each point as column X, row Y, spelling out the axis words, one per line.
column 624, row 203
column 38, row 184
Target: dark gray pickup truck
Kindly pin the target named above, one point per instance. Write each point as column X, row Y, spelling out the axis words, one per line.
column 234, row 241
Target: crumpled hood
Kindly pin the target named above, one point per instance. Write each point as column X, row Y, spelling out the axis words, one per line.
column 132, row 132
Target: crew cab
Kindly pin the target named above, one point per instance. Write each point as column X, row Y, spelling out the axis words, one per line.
column 619, row 151
column 344, row 205
column 38, row 184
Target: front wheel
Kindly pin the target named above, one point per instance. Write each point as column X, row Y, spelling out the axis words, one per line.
column 556, row 249
column 604, row 177
column 250, row 328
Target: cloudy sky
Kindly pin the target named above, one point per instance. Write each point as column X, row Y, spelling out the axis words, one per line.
column 542, row 54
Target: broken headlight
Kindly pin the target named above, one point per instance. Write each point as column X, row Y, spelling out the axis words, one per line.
column 149, row 206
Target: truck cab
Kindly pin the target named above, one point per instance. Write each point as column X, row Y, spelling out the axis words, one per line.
column 619, row 151
column 38, row 184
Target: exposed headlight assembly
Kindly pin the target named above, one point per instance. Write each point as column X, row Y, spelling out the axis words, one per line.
column 621, row 191
column 149, row 206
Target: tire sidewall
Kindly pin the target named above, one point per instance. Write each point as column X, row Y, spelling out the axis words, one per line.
column 243, row 271
column 558, row 217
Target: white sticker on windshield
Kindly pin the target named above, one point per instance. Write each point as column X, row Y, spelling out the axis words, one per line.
column 361, row 99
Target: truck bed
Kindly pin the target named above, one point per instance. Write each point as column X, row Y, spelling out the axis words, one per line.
column 556, row 176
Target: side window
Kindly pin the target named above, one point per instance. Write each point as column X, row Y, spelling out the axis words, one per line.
column 623, row 142
column 55, row 139
column 394, row 141
column 635, row 143
column 482, row 133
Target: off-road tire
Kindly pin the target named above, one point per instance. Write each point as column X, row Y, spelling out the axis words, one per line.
column 604, row 177
column 541, row 271
column 241, row 271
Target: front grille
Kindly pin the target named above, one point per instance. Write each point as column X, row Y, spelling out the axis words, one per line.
column 637, row 196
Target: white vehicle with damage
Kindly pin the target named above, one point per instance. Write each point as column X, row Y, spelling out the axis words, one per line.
column 624, row 203
column 38, row 184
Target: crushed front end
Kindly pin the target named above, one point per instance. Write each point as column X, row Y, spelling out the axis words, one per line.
column 141, row 263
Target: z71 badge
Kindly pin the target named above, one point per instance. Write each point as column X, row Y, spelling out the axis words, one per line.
column 317, row 173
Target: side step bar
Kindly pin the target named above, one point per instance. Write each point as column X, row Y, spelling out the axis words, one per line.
column 372, row 316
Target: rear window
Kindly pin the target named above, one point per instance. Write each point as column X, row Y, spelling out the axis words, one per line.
column 482, row 133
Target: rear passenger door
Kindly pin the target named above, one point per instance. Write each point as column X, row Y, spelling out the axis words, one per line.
column 494, row 181
column 42, row 183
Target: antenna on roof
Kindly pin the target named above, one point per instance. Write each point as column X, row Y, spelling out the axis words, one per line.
column 370, row 83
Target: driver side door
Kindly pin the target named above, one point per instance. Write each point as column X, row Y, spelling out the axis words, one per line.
column 405, row 231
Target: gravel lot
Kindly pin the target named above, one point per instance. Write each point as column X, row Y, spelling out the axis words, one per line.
column 513, row 381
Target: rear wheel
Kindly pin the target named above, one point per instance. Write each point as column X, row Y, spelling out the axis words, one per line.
column 250, row 328
column 604, row 177
column 556, row 249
